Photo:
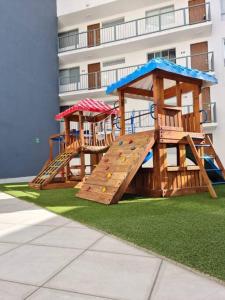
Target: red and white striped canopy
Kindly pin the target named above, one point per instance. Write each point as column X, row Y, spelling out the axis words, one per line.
column 88, row 105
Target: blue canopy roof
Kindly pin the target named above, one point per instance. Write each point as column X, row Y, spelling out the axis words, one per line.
column 165, row 65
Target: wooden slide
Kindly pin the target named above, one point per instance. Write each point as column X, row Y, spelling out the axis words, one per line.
column 112, row 176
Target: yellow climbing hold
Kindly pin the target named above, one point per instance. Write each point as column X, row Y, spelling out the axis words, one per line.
column 103, row 189
column 123, row 158
column 109, row 175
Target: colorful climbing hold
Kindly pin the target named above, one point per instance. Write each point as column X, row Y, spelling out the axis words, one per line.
column 130, row 141
column 109, row 175
column 120, row 153
column 106, row 159
column 120, row 143
column 88, row 188
column 123, row 158
column 103, row 189
column 132, row 147
column 107, row 168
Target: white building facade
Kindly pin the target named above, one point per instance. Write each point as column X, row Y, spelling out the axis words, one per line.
column 101, row 41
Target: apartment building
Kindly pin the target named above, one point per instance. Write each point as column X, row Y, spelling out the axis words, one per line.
column 101, row 41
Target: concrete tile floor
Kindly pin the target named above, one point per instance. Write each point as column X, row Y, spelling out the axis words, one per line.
column 47, row 257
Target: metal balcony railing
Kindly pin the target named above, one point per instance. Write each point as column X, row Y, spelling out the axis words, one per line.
column 97, row 80
column 143, row 120
column 135, row 28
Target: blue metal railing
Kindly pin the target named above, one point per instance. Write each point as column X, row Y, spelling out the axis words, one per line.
column 104, row 78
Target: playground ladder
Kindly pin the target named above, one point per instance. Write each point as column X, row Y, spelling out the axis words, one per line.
column 197, row 152
column 52, row 169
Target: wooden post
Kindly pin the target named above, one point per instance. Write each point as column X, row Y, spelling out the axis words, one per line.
column 67, row 131
column 81, row 128
column 67, row 141
column 196, row 108
column 160, row 151
column 82, row 142
column 181, row 159
column 122, row 112
column 158, row 96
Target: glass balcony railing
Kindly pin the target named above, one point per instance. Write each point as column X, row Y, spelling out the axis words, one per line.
column 157, row 23
column 98, row 80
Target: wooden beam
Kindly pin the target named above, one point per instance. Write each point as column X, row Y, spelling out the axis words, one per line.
column 137, row 91
column 183, row 86
column 81, row 128
column 177, row 77
column 122, row 112
column 67, row 131
column 196, row 108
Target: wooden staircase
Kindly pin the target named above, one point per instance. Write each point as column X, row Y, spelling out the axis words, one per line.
column 52, row 169
column 199, row 155
column 111, row 177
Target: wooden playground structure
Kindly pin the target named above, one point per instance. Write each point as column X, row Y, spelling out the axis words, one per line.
column 93, row 134
column 121, row 169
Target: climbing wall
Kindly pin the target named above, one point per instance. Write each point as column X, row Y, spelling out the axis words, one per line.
column 111, row 177
column 52, row 169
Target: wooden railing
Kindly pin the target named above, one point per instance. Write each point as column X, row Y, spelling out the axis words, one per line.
column 189, row 122
column 169, row 117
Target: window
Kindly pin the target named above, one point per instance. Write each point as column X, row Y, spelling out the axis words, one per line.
column 159, row 19
column 168, row 54
column 112, row 23
column 222, row 7
column 69, row 76
column 69, row 39
column 114, row 62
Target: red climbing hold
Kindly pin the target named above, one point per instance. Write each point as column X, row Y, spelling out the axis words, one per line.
column 106, row 159
column 130, row 141
column 107, row 168
column 120, row 153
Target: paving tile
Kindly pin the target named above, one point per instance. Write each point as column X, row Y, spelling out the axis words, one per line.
column 108, row 275
column 111, row 244
column 44, row 217
column 14, row 291
column 34, row 264
column 176, row 283
column 47, row 294
column 69, row 237
column 32, row 216
column 22, row 233
column 75, row 224
column 4, row 247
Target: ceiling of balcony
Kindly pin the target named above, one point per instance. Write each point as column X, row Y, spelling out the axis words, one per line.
column 70, row 17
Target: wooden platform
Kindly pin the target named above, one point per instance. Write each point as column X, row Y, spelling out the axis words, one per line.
column 113, row 174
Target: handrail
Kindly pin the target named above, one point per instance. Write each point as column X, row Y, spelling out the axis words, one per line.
column 184, row 15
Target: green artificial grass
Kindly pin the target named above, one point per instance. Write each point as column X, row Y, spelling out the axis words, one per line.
column 188, row 229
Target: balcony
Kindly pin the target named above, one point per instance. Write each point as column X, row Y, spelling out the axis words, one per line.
column 190, row 17
column 96, row 82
